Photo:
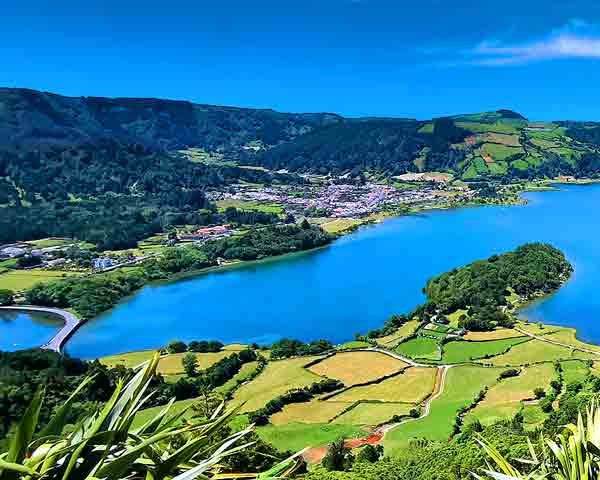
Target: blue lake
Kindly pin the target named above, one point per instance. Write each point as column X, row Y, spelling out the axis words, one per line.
column 21, row 330
column 360, row 280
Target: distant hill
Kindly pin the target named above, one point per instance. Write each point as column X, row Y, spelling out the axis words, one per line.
column 490, row 145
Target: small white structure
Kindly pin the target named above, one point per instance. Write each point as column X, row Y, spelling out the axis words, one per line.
column 102, row 262
column 12, row 252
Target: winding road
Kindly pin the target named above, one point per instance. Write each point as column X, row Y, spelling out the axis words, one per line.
column 72, row 323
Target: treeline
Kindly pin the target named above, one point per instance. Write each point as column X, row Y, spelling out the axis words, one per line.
column 295, row 395
column 92, row 295
column 286, row 348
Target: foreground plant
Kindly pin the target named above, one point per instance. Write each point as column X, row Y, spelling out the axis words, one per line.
column 575, row 455
column 106, row 445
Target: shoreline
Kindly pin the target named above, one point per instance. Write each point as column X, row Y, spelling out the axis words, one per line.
column 371, row 220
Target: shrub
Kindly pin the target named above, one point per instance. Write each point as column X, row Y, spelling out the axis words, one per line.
column 177, row 346
column 6, row 297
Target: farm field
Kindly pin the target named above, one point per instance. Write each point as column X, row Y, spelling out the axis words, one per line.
column 249, row 205
column 296, row 436
column 168, row 365
column 420, row 347
column 276, row 379
column 574, row 371
column 461, row 386
column 19, row 280
column 460, row 351
column 373, row 413
column 498, row 334
column 413, row 386
column 357, row 367
column 569, row 336
column 340, row 225
column 404, row 331
column 504, row 399
column 315, row 411
column 353, row 344
column 535, row 351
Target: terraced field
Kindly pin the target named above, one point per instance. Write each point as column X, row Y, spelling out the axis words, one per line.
column 357, row 367
column 413, row 386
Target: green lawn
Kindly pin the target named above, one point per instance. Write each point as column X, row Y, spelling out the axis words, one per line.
column 501, row 152
column 420, row 347
column 574, row 371
column 463, row 383
column 461, row 351
column 296, row 436
column 18, row 280
column 535, row 351
column 353, row 344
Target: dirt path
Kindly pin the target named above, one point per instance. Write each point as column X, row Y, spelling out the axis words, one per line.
column 554, row 342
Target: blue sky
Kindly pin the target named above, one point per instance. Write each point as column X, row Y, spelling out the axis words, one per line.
column 355, row 57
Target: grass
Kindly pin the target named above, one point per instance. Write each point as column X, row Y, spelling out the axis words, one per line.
column 461, row 352
column 501, row 152
column 533, row 416
column 250, row 205
column 569, row 336
column 503, row 139
column 50, row 242
column 574, row 371
column 498, row 127
column 357, row 367
column 128, row 360
column 420, row 347
column 168, row 365
column 276, row 379
column 533, row 351
column 353, row 344
column 503, row 400
column 340, row 225
column 18, row 280
column 413, row 386
column 314, row 411
column 296, row 436
column 454, row 317
column 373, row 413
column 498, row 334
column 461, row 386
column 404, row 331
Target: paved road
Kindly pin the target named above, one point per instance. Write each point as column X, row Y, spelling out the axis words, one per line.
column 72, row 323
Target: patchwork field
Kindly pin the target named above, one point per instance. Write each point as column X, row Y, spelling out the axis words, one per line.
column 357, row 367
column 340, row 225
column 532, row 352
column 168, row 365
column 247, row 370
column 373, row 413
column 461, row 352
column 461, row 386
column 569, row 336
column 315, row 411
column 504, row 399
column 420, row 347
column 276, row 379
column 413, row 386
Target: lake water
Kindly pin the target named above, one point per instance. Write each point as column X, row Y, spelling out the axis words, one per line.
column 359, row 281
column 20, row 330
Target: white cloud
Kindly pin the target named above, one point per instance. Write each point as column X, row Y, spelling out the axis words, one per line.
column 562, row 45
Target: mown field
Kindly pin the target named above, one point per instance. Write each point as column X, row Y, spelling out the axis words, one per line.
column 19, row 280
column 420, row 348
column 276, row 379
column 357, row 367
column 297, row 436
column 370, row 413
column 412, row 386
column 315, row 411
column 461, row 351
